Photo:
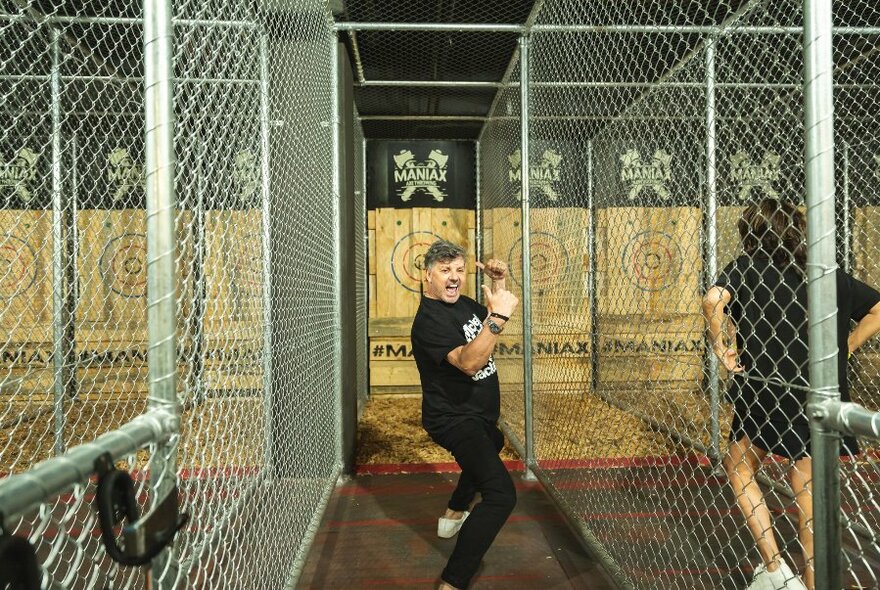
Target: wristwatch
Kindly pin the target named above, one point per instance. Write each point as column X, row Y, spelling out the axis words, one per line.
column 493, row 327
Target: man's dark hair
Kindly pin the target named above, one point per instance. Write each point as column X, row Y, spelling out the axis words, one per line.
column 774, row 229
column 442, row 251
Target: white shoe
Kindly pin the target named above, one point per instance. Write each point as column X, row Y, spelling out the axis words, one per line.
column 448, row 527
column 782, row 579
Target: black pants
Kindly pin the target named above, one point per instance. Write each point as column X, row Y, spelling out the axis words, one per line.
column 475, row 446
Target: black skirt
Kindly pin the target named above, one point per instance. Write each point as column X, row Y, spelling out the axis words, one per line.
column 774, row 420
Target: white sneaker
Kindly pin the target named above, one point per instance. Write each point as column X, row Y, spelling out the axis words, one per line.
column 782, row 579
column 448, row 527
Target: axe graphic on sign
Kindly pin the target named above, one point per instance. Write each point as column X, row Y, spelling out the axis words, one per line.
column 21, row 169
column 124, row 172
column 417, row 175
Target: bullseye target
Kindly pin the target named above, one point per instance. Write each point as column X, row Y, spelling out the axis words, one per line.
column 18, row 270
column 124, row 265
column 549, row 261
column 651, row 260
column 407, row 258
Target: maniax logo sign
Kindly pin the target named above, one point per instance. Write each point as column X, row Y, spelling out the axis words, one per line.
column 636, row 174
column 246, row 174
column 124, row 173
column 428, row 176
column 542, row 176
column 17, row 173
column 748, row 175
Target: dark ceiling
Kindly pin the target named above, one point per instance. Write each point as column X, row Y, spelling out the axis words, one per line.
column 394, row 69
column 421, row 111
column 415, row 111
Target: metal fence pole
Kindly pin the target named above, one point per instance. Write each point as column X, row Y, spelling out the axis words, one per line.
column 366, row 272
column 161, row 242
column 592, row 283
column 478, row 223
column 73, row 247
column 266, row 201
column 196, row 378
column 821, row 288
column 60, row 301
column 847, row 212
column 526, row 258
column 336, row 131
column 711, row 225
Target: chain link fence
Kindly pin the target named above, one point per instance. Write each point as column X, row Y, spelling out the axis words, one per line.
column 500, row 223
column 650, row 129
column 255, row 262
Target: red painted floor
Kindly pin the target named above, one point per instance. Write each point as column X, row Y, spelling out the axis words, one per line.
column 673, row 523
column 379, row 531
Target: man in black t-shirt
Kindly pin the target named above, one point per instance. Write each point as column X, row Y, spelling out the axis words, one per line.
column 461, row 400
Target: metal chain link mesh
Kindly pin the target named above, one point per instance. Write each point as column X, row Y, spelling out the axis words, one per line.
column 501, row 232
column 624, row 175
column 256, row 294
column 857, row 157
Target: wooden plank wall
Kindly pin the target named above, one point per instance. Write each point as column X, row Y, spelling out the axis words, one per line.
column 234, row 322
column 397, row 240
column 110, row 313
column 26, row 275
column 649, row 268
column 26, row 301
column 560, row 296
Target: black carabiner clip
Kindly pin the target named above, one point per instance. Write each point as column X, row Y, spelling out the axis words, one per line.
column 115, row 501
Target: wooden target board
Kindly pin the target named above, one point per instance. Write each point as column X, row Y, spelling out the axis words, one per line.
column 234, row 320
column 649, row 266
column 641, row 348
column 649, row 260
column 560, row 362
column 402, row 237
column 26, row 276
column 398, row 239
column 111, row 310
column 112, row 275
column 558, row 249
column 371, row 263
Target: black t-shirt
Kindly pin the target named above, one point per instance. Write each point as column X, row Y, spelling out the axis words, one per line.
column 769, row 308
column 449, row 396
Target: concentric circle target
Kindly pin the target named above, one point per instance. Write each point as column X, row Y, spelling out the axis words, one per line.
column 18, row 270
column 406, row 258
column 549, row 259
column 651, row 260
column 124, row 265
